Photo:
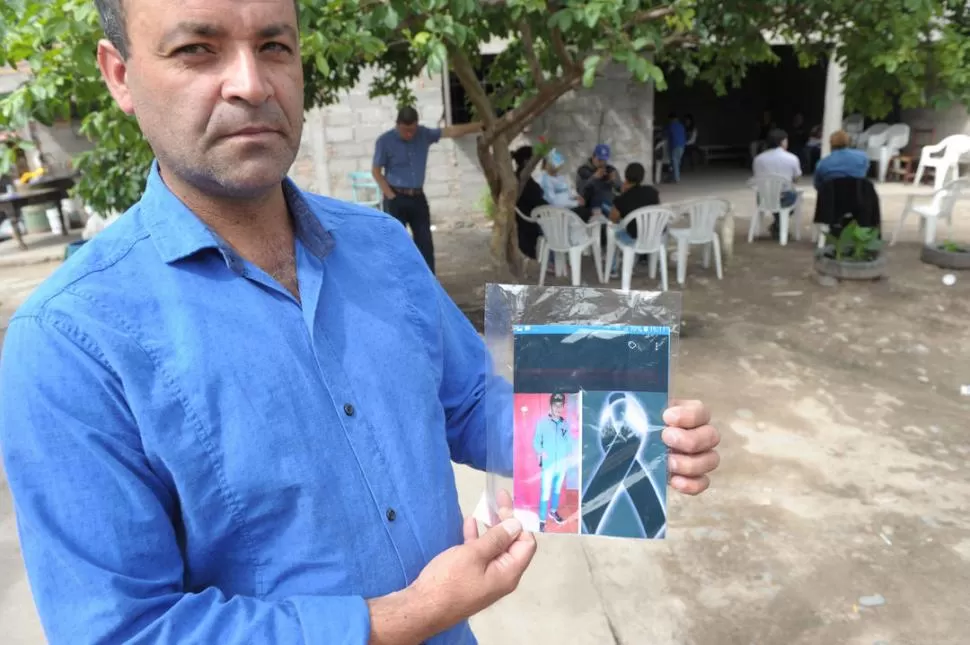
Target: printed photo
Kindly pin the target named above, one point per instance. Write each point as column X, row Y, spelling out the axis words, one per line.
column 624, row 464
column 546, row 461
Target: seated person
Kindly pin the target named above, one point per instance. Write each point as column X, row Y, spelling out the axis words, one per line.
column 556, row 189
column 843, row 162
column 529, row 199
column 635, row 194
column 776, row 160
column 597, row 181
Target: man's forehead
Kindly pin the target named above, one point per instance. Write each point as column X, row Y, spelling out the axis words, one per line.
column 225, row 15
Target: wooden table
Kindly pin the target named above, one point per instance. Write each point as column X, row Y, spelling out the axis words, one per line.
column 13, row 204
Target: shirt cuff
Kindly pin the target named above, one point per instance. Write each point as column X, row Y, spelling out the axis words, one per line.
column 333, row 619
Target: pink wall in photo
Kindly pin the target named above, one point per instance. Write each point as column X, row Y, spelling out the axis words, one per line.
column 526, row 473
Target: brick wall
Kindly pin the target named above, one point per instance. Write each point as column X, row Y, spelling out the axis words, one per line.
column 339, row 139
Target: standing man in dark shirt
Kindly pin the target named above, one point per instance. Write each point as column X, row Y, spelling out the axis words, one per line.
column 635, row 195
column 400, row 162
column 596, row 180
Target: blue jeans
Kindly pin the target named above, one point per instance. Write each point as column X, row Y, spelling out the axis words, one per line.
column 552, row 477
column 676, row 157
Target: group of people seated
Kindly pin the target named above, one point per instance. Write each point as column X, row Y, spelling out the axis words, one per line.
column 598, row 189
column 843, row 162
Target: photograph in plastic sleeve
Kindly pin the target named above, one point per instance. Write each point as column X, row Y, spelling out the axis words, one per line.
column 621, row 375
column 546, row 461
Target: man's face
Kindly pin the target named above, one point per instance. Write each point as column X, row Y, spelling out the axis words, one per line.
column 407, row 131
column 217, row 88
column 784, row 144
column 599, row 163
column 557, row 409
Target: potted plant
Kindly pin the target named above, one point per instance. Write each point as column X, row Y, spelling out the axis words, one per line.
column 856, row 254
column 947, row 255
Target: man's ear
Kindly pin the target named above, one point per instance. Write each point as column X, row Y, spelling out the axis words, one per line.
column 114, row 71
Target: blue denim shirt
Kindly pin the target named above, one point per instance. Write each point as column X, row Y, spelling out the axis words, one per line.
column 847, row 162
column 405, row 162
column 196, row 457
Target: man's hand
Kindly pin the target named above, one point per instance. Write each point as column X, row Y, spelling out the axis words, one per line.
column 692, row 442
column 388, row 193
column 580, row 200
column 600, row 172
column 466, row 579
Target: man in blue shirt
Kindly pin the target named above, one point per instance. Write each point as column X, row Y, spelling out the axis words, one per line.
column 676, row 141
column 555, row 446
column 400, row 163
column 206, row 423
column 842, row 162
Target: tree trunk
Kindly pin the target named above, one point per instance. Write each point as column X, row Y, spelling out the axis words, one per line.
column 504, row 186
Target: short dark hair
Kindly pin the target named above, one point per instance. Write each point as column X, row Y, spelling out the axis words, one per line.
column 775, row 137
column 407, row 115
column 635, row 173
column 557, row 398
column 112, row 15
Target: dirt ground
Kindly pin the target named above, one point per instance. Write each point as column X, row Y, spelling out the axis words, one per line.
column 839, row 512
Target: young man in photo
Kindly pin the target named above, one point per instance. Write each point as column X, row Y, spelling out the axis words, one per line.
column 554, row 446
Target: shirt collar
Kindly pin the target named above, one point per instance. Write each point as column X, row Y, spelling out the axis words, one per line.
column 178, row 233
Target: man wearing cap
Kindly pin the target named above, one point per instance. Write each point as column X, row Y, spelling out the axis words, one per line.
column 553, row 444
column 400, row 162
column 596, row 180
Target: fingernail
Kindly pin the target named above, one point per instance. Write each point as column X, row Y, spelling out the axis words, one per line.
column 513, row 526
column 672, row 416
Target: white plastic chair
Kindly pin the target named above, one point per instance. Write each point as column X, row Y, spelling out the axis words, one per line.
column 943, row 158
column 853, row 126
column 565, row 234
column 874, row 130
column 651, row 240
column 882, row 147
column 768, row 191
column 703, row 215
column 940, row 207
column 540, row 239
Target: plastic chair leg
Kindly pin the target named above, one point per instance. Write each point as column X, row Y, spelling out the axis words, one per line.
column 576, row 266
column 682, row 252
column 707, row 255
column 783, row 218
column 718, row 266
column 899, row 226
column 598, row 260
column 629, row 259
column 653, row 263
column 543, row 264
column 930, row 231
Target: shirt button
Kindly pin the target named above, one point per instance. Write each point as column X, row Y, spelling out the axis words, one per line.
column 348, row 409
column 391, row 515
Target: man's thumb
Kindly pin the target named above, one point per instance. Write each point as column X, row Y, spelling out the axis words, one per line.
column 498, row 539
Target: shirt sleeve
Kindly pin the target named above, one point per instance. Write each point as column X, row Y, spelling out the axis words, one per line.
column 380, row 153
column 477, row 401
column 97, row 523
column 430, row 135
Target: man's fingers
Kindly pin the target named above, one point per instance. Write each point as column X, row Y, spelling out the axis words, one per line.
column 691, row 442
column 689, row 485
column 509, row 566
column 470, row 529
column 693, row 465
column 496, row 541
column 687, row 414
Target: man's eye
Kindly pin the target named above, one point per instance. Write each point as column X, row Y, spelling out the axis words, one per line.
column 192, row 50
column 276, row 47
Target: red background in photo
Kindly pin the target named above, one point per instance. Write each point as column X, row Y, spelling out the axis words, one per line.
column 526, row 467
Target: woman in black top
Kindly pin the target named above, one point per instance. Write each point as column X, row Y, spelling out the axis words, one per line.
column 530, row 199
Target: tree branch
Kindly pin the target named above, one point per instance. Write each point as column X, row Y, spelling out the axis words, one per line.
column 653, row 14
column 528, row 42
column 559, row 46
column 515, row 120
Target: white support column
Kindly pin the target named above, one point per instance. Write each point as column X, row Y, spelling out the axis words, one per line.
column 834, row 102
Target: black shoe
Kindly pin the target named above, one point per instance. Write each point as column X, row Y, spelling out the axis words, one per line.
column 557, row 517
column 542, row 527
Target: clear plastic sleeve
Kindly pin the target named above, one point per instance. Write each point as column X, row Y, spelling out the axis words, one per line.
column 581, row 380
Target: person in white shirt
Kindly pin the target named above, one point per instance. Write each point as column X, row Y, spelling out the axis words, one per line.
column 555, row 188
column 776, row 160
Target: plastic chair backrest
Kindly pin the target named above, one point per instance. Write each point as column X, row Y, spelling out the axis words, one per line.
column 873, row 137
column 703, row 215
column 770, row 189
column 897, row 136
column 652, row 223
column 563, row 229
column 363, row 188
column 955, row 146
column 950, row 193
column 528, row 218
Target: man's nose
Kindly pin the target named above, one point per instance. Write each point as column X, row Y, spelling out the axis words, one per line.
column 246, row 80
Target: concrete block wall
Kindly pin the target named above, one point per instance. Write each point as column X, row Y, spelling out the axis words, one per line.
column 339, row 139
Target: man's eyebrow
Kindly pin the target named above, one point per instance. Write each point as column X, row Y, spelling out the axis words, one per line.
column 279, row 29
column 198, row 29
